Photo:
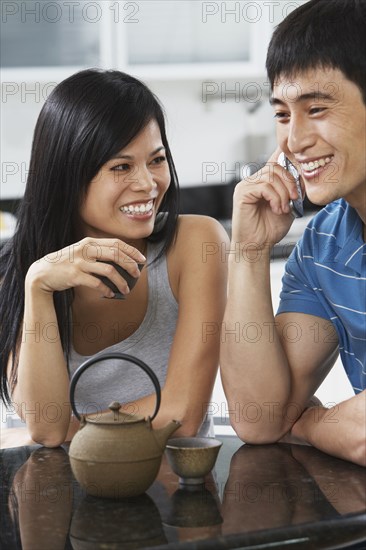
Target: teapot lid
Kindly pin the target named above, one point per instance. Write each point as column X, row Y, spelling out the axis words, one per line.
column 114, row 416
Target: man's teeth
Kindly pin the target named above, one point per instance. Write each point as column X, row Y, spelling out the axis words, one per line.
column 137, row 208
column 313, row 165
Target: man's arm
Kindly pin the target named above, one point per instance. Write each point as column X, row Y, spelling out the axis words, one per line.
column 270, row 366
column 270, row 380
column 265, row 367
column 339, row 431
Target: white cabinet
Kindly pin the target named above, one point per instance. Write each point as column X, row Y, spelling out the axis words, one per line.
column 156, row 37
column 195, row 39
column 49, row 34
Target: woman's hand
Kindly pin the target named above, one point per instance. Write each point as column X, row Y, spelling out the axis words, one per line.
column 261, row 213
column 78, row 264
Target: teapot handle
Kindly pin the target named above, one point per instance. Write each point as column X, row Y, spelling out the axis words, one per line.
column 124, row 357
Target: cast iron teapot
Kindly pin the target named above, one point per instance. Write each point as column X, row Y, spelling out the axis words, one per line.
column 115, row 454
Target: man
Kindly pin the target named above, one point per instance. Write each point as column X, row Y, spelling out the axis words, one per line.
column 317, row 69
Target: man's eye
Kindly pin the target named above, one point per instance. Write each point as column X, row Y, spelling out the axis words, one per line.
column 316, row 110
column 281, row 115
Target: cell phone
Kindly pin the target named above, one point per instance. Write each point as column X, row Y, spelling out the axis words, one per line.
column 297, row 205
column 131, row 281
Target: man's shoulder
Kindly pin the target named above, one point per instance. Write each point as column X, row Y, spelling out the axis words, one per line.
column 330, row 217
column 330, row 225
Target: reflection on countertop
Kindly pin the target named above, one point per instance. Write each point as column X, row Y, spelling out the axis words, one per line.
column 255, row 495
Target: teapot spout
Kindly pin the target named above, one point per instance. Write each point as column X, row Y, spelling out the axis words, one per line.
column 162, row 435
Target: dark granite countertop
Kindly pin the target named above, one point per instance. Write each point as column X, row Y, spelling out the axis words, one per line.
column 271, row 496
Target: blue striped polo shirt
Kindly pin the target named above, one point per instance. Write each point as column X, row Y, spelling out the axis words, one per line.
column 326, row 276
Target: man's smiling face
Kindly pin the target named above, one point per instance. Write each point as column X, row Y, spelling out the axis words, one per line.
column 321, row 128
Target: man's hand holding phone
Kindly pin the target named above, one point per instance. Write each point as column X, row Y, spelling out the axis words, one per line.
column 263, row 203
column 296, row 205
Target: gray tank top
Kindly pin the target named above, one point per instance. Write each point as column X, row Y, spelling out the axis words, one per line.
column 114, row 380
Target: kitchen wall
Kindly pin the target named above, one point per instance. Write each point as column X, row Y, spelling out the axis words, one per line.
column 214, row 136
column 211, row 140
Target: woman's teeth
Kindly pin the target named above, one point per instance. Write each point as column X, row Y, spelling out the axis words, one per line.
column 313, row 165
column 137, row 208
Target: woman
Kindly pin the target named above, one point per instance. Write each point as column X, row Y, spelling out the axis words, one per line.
column 102, row 187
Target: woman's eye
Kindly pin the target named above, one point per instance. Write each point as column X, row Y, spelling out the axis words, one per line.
column 121, row 167
column 159, row 160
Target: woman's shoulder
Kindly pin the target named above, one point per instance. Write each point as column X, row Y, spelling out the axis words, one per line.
column 198, row 254
column 198, row 237
column 200, row 228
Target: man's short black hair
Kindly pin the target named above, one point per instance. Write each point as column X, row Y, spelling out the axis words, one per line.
column 321, row 34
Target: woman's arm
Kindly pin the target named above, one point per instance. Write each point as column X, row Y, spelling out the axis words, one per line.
column 40, row 395
column 198, row 273
column 202, row 250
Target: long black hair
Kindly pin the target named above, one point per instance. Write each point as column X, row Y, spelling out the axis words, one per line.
column 86, row 120
column 321, row 34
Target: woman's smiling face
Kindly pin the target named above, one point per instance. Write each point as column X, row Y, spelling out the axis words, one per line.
column 124, row 197
column 321, row 127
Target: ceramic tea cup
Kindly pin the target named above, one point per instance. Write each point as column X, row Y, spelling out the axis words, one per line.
column 192, row 458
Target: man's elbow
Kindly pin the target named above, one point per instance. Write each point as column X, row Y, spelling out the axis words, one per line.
column 356, row 445
column 358, row 453
column 256, row 435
